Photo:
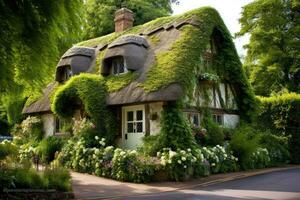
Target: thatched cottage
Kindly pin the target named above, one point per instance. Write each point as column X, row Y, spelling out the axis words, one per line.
column 190, row 57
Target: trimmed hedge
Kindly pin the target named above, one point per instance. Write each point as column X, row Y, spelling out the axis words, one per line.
column 281, row 114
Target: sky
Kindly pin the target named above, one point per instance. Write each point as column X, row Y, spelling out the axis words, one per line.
column 230, row 10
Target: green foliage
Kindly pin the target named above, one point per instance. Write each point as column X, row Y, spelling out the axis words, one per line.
column 48, row 147
column 115, row 83
column 100, row 12
column 7, row 149
column 34, row 35
column 58, row 178
column 277, row 147
column 214, row 133
column 30, row 129
column 260, row 158
column 28, row 178
column 90, row 90
column 220, row 158
column 244, row 144
column 281, row 115
column 273, row 57
column 14, row 106
column 127, row 166
column 175, row 133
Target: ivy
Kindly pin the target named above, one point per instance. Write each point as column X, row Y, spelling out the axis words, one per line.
column 89, row 90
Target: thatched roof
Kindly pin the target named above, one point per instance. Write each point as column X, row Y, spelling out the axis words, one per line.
column 162, row 55
column 43, row 104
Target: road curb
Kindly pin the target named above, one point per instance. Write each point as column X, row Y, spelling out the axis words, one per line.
column 230, row 177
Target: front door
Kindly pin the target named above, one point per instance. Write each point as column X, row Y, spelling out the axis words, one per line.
column 133, row 126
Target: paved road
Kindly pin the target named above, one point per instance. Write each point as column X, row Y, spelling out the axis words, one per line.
column 281, row 185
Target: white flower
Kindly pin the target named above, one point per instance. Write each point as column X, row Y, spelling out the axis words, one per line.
column 213, row 164
column 184, row 166
column 96, row 137
column 183, row 158
column 179, row 161
column 189, row 150
column 172, row 153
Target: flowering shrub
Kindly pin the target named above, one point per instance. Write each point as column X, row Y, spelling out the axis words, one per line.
column 128, row 166
column 26, row 152
column 259, row 159
column 220, row 158
column 30, row 128
column 181, row 163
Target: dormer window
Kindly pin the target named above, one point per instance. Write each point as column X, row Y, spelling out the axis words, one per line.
column 63, row 73
column 118, row 66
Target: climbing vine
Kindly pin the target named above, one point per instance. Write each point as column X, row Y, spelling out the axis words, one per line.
column 90, row 91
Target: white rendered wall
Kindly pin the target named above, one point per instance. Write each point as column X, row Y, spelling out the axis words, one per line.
column 48, row 124
column 230, row 120
column 155, row 109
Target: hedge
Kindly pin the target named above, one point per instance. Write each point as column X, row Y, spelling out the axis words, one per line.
column 281, row 115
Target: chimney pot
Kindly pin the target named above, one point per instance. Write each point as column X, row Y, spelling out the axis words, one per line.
column 123, row 19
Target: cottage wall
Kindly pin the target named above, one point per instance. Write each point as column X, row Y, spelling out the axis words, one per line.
column 48, row 124
column 231, row 120
column 155, row 110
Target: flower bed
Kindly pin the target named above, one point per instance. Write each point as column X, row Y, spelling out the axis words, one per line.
column 132, row 166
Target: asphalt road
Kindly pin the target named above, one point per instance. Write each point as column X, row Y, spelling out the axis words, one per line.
column 281, row 185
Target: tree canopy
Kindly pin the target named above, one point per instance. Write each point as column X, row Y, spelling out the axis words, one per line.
column 33, row 36
column 100, row 13
column 273, row 58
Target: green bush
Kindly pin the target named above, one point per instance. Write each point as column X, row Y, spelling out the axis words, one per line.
column 243, row 144
column 277, row 147
column 7, row 148
column 48, row 147
column 90, row 91
column 260, row 158
column 28, row 178
column 58, row 178
column 30, row 129
column 220, row 159
column 281, row 115
column 175, row 133
column 214, row 133
column 128, row 166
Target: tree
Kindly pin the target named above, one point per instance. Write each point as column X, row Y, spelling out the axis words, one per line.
column 33, row 36
column 100, row 13
column 273, row 58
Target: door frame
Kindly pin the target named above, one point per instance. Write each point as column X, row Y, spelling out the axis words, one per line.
column 125, row 109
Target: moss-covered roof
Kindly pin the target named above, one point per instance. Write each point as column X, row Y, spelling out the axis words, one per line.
column 176, row 45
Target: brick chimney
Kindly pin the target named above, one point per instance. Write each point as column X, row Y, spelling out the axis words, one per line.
column 123, row 19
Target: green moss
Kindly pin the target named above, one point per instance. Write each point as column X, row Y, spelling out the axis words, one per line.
column 181, row 62
column 115, row 83
column 33, row 98
column 154, row 39
column 99, row 61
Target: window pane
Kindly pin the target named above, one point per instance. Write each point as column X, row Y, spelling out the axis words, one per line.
column 139, row 127
column 139, row 115
column 129, row 127
column 196, row 120
column 115, row 67
column 130, row 116
column 121, row 67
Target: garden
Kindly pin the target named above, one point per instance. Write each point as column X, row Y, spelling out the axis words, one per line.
column 177, row 153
